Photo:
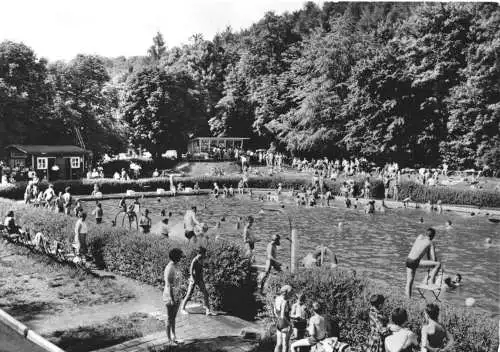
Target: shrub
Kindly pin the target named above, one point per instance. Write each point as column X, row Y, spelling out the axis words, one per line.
column 345, row 295
column 422, row 194
column 230, row 278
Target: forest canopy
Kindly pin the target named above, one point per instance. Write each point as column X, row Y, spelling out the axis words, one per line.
column 408, row 82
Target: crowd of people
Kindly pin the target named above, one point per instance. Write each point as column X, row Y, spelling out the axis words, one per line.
column 308, row 325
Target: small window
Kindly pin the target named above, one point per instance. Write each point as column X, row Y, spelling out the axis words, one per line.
column 75, row 162
column 41, row 163
column 19, row 162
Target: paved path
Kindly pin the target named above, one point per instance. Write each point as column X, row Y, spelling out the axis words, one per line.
column 203, row 333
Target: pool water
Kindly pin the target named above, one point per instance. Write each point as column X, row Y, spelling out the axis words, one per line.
column 376, row 244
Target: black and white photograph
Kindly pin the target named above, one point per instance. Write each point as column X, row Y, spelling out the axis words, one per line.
column 249, row 176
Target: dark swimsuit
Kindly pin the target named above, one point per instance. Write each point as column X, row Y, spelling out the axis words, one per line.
column 412, row 263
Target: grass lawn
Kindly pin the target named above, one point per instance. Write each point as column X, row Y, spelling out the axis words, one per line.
column 111, row 332
column 33, row 286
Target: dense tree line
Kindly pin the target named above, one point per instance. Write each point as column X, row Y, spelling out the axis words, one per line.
column 408, row 82
column 43, row 103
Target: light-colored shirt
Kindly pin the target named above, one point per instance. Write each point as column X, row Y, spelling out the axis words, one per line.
column 401, row 339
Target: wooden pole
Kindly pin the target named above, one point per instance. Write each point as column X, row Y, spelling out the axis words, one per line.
column 293, row 251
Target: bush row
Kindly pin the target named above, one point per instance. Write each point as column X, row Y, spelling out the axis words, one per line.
column 345, row 296
column 417, row 192
column 230, row 278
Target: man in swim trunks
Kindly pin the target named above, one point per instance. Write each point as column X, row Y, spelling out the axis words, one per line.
column 271, row 261
column 190, row 222
column 423, row 245
column 196, row 279
column 145, row 222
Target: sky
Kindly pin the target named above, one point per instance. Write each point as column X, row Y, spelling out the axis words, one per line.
column 61, row 29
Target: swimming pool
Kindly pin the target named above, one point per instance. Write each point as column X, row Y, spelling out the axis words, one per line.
column 375, row 244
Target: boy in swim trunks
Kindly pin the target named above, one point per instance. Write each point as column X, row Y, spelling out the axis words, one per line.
column 145, row 222
column 423, row 245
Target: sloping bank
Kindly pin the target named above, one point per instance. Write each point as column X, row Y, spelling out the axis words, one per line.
column 232, row 283
column 417, row 192
column 229, row 275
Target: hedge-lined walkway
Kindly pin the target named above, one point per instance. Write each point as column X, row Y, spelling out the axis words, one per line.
column 199, row 332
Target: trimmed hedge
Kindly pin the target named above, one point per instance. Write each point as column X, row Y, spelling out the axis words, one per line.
column 230, row 279
column 417, row 192
column 345, row 295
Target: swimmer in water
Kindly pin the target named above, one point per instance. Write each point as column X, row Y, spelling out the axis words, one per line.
column 455, row 282
column 448, row 225
column 347, row 202
column 370, row 207
column 421, row 220
column 488, row 242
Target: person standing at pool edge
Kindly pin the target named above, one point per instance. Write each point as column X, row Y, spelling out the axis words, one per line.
column 171, row 293
column 271, row 261
column 196, row 279
column 423, row 245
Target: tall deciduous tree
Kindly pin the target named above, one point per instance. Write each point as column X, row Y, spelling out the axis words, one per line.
column 158, row 49
column 84, row 101
column 162, row 110
column 474, row 104
column 397, row 104
column 25, row 95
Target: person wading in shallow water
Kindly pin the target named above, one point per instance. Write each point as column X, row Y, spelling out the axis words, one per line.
column 190, row 222
column 423, row 245
column 248, row 237
column 271, row 261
